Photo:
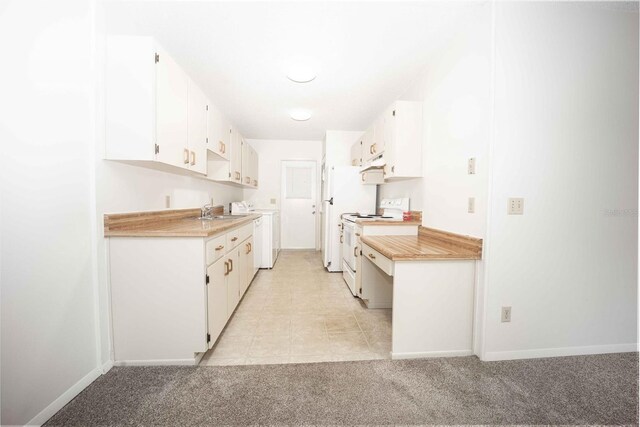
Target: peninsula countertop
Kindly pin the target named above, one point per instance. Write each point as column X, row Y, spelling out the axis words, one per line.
column 170, row 223
column 429, row 244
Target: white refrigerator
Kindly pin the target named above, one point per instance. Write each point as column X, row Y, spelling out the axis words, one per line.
column 342, row 192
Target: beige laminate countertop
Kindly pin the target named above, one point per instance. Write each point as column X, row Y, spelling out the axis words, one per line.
column 177, row 226
column 427, row 245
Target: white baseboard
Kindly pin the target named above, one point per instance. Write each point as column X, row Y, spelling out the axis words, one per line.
column 378, row 304
column 106, row 367
column 559, row 352
column 65, row 398
column 159, row 362
column 428, row 354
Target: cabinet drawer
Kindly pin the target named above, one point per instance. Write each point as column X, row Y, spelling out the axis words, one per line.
column 378, row 259
column 245, row 232
column 215, row 248
column 233, row 239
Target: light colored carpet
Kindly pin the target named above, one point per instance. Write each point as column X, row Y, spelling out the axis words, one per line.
column 601, row 389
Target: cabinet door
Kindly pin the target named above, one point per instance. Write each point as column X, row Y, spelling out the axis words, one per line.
column 197, row 129
column 243, row 251
column 233, row 281
column 356, row 153
column 171, row 112
column 367, row 145
column 218, row 133
column 235, row 157
column 249, row 263
column 246, row 163
column 216, row 299
column 378, row 136
column 254, row 167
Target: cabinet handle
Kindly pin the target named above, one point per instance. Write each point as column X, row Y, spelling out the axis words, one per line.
column 247, row 248
column 234, row 239
column 220, row 147
column 358, row 234
column 372, row 256
column 185, row 157
column 230, row 265
column 255, row 182
column 250, row 247
column 219, row 248
column 224, row 148
column 355, row 250
column 193, row 158
column 393, row 169
column 371, row 149
column 341, row 239
column 362, row 176
column 226, row 268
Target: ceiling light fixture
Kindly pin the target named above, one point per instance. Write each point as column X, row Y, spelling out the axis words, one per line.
column 300, row 115
column 301, row 74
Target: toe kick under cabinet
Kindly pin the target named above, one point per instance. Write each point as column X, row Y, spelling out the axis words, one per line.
column 172, row 296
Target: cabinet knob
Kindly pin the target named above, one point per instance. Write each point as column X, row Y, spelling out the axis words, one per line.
column 234, row 239
column 219, row 248
column 372, row 256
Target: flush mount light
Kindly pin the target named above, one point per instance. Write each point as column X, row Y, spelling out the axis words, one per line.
column 301, row 74
column 300, row 115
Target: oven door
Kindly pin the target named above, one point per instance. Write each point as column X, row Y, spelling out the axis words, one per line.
column 348, row 243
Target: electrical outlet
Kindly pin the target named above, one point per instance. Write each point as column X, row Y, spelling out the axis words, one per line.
column 471, row 208
column 472, row 166
column 167, row 201
column 515, row 206
column 506, row 314
column 273, row 201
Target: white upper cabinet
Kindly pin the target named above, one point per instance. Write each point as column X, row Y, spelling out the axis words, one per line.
column 219, row 169
column 235, row 159
column 219, row 141
column 403, row 140
column 254, row 167
column 356, row 153
column 249, row 165
column 147, row 105
column 172, row 92
column 367, row 145
column 197, row 129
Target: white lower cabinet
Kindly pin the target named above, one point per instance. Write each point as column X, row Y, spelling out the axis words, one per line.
column 172, row 296
column 217, row 313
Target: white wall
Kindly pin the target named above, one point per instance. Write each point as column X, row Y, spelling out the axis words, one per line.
column 336, row 146
column 566, row 139
column 271, row 153
column 122, row 187
column 49, row 335
column 455, row 90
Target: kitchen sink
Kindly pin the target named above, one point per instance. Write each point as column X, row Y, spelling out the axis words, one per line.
column 218, row 217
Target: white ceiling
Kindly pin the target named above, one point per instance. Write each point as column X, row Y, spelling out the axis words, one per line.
column 365, row 53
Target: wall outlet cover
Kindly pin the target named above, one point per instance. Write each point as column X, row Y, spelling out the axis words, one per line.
column 515, row 206
column 471, row 208
column 273, row 201
column 505, row 315
column 471, row 169
column 167, row 201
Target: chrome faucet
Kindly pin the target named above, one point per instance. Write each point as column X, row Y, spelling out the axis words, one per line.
column 206, row 211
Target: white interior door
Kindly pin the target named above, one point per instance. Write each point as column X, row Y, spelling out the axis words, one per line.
column 298, row 204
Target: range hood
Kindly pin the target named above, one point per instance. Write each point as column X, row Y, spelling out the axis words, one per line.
column 377, row 163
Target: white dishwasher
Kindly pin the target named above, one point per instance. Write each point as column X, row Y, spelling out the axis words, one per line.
column 257, row 243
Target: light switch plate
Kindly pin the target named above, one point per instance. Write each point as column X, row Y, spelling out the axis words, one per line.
column 273, row 201
column 515, row 206
column 472, row 166
column 471, row 208
column 505, row 314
